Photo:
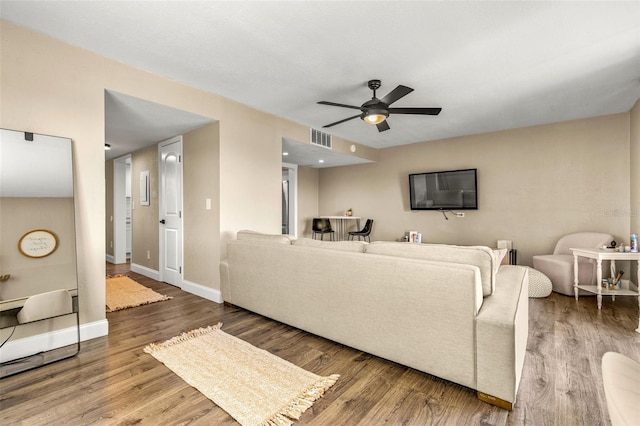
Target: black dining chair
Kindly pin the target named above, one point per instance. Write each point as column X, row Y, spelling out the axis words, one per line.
column 364, row 232
column 322, row 226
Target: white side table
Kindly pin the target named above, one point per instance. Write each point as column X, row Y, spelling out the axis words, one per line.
column 604, row 254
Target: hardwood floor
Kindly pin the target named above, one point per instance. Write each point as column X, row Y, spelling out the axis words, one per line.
column 113, row 382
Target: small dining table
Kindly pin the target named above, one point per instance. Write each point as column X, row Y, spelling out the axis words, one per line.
column 342, row 225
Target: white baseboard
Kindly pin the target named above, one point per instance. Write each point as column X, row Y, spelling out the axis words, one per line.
column 202, row 291
column 188, row 286
column 110, row 258
column 20, row 348
column 94, row 330
column 147, row 272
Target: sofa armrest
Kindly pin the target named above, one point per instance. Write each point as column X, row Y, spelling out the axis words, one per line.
column 502, row 330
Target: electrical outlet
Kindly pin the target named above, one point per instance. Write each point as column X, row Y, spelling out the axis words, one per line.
column 460, row 214
column 148, row 255
column 111, row 244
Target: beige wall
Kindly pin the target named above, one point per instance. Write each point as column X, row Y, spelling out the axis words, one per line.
column 145, row 219
column 534, row 185
column 69, row 83
column 201, row 226
column 308, row 179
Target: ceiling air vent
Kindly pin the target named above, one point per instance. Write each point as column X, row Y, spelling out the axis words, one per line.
column 320, row 138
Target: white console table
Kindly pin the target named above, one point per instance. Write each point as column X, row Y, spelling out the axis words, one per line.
column 630, row 289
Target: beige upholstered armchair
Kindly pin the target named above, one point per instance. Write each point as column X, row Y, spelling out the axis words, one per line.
column 559, row 265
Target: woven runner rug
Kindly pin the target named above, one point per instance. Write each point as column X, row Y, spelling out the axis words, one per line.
column 123, row 292
column 250, row 384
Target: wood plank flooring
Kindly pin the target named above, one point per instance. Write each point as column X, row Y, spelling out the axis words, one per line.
column 113, row 382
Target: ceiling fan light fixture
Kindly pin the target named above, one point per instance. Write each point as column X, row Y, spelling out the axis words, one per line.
column 375, row 116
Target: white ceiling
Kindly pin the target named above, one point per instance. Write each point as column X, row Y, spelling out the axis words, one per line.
column 489, row 65
column 132, row 123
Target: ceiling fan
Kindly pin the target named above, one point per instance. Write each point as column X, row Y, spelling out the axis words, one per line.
column 376, row 111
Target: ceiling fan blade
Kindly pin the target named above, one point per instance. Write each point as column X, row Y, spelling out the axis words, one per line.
column 338, row 105
column 423, row 111
column 383, row 126
column 396, row 94
column 342, row 121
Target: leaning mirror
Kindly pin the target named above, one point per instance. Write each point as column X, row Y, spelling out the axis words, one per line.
column 38, row 273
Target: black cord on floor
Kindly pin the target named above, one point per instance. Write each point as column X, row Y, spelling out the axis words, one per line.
column 12, row 331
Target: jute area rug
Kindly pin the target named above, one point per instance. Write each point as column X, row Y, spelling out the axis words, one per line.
column 123, row 292
column 250, row 384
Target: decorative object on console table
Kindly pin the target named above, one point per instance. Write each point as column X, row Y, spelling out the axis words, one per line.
column 349, row 212
column 412, row 237
column 512, row 254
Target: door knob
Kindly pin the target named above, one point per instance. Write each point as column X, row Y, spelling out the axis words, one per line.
column 162, row 221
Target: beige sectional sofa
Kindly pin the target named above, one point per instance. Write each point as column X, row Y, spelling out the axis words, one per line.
column 450, row 311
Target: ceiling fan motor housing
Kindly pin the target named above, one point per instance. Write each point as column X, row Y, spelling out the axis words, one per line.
column 374, row 85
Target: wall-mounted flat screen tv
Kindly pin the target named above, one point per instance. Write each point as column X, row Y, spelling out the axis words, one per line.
column 450, row 190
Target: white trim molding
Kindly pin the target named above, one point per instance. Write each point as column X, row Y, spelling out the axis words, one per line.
column 20, row 348
column 147, row 272
column 202, row 291
column 188, row 286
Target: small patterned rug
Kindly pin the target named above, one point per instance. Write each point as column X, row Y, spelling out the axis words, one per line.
column 123, row 292
column 252, row 385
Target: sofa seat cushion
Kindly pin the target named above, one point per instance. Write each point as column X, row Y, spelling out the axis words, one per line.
column 257, row 236
column 559, row 269
column 355, row 246
column 483, row 257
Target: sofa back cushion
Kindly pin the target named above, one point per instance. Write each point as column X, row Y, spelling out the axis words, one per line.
column 269, row 238
column 355, row 246
column 483, row 257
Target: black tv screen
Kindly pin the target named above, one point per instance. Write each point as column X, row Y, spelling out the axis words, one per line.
column 450, row 190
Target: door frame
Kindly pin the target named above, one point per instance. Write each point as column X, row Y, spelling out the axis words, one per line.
column 293, row 197
column 119, row 221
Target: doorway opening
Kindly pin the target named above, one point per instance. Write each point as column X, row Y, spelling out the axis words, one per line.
column 290, row 199
column 122, row 209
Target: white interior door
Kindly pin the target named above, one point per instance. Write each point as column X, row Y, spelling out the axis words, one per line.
column 170, row 210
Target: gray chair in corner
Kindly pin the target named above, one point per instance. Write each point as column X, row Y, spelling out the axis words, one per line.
column 559, row 265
